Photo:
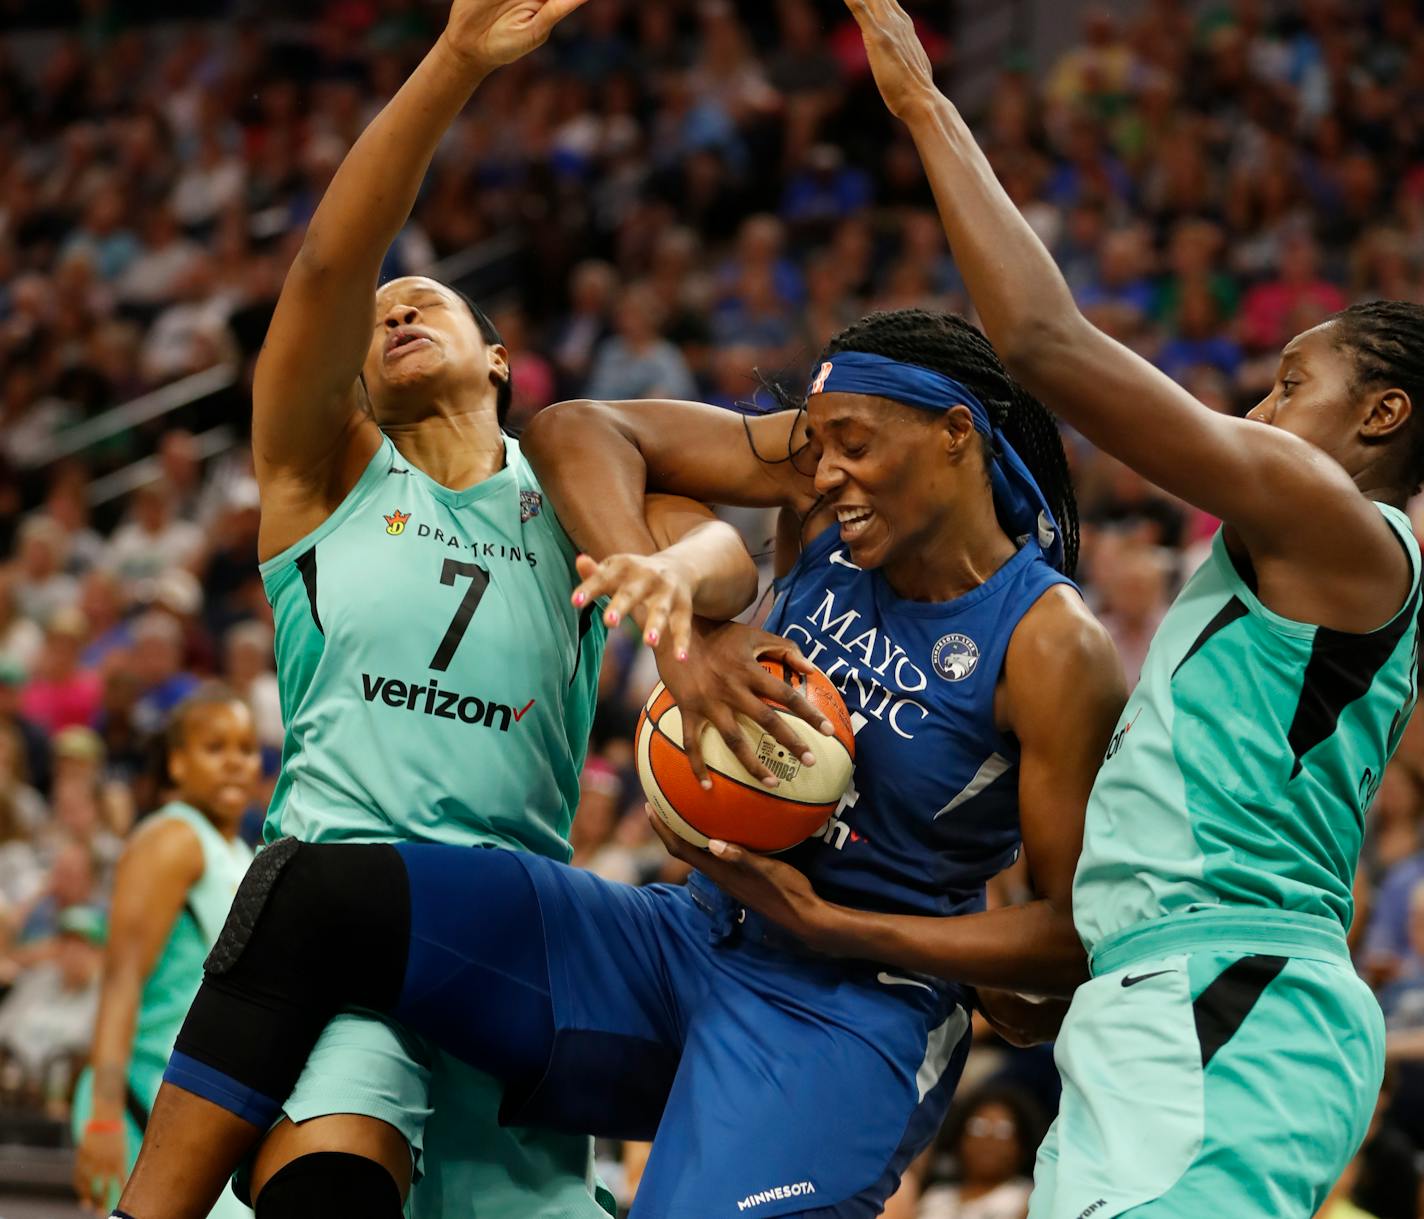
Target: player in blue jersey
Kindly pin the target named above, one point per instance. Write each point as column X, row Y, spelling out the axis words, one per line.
column 772, row 1078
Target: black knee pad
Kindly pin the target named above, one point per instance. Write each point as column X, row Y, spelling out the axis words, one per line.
column 248, row 904
column 330, row 1185
column 320, row 920
column 313, row 929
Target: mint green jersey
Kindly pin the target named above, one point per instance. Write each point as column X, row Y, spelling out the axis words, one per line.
column 170, row 988
column 1243, row 765
column 436, row 682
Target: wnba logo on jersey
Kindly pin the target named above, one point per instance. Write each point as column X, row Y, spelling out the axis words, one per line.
column 395, row 523
column 955, row 657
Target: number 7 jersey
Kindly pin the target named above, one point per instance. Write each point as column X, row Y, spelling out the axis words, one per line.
column 436, row 682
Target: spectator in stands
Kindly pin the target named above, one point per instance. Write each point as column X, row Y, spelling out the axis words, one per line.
column 1135, row 596
column 1275, row 308
column 60, row 693
column 1387, row 946
column 22, row 814
column 577, row 336
column 47, row 1017
column 71, row 882
column 20, row 636
column 247, row 668
column 154, row 538
column 158, row 665
column 41, row 585
column 637, row 362
column 990, row 1139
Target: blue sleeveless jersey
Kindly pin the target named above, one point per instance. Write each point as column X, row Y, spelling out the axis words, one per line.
column 932, row 811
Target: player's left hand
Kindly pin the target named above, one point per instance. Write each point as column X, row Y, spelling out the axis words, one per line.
column 773, row 889
column 653, row 590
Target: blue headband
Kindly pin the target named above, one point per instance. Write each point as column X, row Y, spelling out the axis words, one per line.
column 1017, row 496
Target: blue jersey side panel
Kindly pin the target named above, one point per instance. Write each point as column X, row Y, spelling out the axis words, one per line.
column 932, row 812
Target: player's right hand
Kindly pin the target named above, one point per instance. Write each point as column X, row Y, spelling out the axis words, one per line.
column 490, row 33
column 100, row 1168
column 723, row 678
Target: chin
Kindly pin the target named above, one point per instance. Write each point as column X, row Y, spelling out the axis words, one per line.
column 867, row 556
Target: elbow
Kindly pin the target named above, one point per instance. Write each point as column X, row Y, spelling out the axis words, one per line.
column 555, row 427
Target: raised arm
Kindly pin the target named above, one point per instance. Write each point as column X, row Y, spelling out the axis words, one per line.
column 1261, row 480
column 157, row 869
column 596, row 460
column 307, row 430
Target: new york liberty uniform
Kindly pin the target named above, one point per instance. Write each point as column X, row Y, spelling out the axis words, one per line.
column 776, row 1081
column 1225, row 1056
column 169, row 990
column 437, row 686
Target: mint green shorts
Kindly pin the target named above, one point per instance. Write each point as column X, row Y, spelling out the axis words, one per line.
column 1210, row 1083
column 465, row 1162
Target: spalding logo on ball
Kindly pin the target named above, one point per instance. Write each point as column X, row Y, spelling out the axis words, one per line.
column 739, row 808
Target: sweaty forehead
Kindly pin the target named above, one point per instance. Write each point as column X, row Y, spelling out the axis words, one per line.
column 826, row 412
column 1313, row 345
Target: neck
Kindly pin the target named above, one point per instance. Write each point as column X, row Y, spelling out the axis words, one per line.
column 1374, row 485
column 940, row 572
column 457, row 450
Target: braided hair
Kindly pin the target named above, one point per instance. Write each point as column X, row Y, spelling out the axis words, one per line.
column 1386, row 339
column 948, row 344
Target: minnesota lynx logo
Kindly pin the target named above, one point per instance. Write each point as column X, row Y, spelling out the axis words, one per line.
column 395, row 523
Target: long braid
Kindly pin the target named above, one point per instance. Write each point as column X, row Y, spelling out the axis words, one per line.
column 948, row 344
column 1386, row 339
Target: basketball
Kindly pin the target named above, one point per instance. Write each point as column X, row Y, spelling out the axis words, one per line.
column 739, row 808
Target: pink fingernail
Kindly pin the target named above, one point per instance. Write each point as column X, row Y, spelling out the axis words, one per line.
column 682, row 653
column 716, row 846
column 827, row 728
column 771, row 781
column 707, row 785
column 580, row 598
column 611, row 618
column 808, row 758
column 653, row 638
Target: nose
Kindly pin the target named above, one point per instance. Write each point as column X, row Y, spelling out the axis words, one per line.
column 829, row 476
column 1264, row 411
column 401, row 315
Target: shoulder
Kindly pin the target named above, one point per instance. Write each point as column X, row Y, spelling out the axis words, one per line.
column 165, row 844
column 1060, row 655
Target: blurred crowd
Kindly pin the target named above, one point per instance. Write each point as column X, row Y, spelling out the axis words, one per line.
column 694, row 189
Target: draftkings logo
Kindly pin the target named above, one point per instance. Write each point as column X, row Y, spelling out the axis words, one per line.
column 395, row 523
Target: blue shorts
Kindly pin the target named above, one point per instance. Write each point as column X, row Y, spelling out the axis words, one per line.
column 771, row 1081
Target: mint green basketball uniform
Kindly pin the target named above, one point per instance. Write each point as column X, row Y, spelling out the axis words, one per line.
column 437, row 685
column 170, row 988
column 1225, row 1058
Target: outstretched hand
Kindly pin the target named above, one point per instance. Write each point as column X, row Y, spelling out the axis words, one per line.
column 490, row 33
column 772, row 888
column 898, row 61
column 720, row 682
column 652, row 590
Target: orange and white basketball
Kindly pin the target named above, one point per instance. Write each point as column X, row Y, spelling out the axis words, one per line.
column 738, row 807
